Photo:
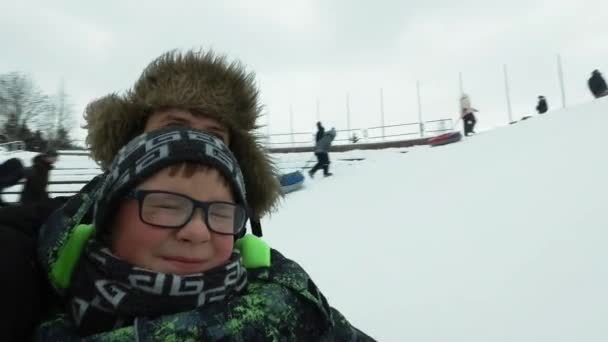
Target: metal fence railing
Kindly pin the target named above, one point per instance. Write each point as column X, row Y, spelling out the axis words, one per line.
column 12, row 146
column 364, row 135
column 16, row 189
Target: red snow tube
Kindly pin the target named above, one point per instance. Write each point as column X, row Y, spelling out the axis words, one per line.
column 446, row 138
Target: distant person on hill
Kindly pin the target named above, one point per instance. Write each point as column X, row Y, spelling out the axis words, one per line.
column 11, row 172
column 597, row 84
column 320, row 132
column 322, row 153
column 542, row 106
column 466, row 112
column 34, row 190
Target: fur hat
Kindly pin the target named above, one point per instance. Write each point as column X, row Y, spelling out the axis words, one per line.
column 204, row 84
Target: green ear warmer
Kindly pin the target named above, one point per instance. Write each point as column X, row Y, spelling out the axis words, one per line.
column 255, row 251
column 69, row 254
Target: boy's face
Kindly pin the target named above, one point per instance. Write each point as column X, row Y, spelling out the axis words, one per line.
column 167, row 117
column 187, row 250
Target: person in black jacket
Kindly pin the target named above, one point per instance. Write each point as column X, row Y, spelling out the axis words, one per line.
column 21, row 297
column 37, row 180
column 597, row 84
column 24, row 291
column 320, row 132
column 542, row 107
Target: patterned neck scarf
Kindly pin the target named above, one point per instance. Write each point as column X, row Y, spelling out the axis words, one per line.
column 108, row 293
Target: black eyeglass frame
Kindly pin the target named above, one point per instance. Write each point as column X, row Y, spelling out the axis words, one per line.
column 140, row 195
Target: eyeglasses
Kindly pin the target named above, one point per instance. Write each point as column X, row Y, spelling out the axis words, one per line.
column 172, row 210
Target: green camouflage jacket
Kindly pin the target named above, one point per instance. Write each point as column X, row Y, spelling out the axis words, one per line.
column 280, row 303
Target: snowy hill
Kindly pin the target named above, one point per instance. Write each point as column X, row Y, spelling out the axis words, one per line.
column 501, row 237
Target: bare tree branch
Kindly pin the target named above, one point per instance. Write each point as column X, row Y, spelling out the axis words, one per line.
column 22, row 103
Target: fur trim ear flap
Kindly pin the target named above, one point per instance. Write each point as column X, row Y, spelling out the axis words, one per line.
column 111, row 123
column 259, row 172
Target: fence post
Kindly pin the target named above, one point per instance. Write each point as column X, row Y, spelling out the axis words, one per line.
column 291, row 124
column 318, row 110
column 421, row 124
column 382, row 112
column 460, row 83
column 507, row 91
column 348, row 113
column 560, row 74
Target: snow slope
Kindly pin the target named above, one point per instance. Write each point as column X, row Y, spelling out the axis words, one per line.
column 501, row 237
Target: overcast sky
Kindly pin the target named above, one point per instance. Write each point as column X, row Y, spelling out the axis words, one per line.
column 317, row 51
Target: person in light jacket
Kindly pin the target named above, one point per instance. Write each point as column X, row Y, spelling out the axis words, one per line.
column 322, row 153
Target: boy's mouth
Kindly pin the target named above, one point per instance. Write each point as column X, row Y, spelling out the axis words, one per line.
column 185, row 265
column 184, row 260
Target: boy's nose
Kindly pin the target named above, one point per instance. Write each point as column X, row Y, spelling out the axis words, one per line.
column 196, row 229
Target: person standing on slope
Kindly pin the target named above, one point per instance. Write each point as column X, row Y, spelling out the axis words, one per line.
column 466, row 113
column 597, row 84
column 542, row 106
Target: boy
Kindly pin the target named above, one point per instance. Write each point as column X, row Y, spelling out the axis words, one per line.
column 168, row 259
column 193, row 89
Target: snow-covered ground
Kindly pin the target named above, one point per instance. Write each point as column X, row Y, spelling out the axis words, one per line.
column 501, row 237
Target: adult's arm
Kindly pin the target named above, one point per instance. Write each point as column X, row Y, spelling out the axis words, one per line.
column 27, row 218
